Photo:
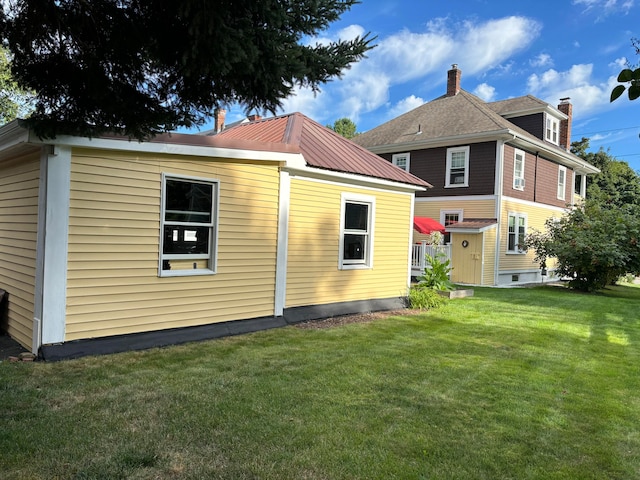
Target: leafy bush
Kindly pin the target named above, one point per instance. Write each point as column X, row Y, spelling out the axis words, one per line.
column 436, row 273
column 425, row 298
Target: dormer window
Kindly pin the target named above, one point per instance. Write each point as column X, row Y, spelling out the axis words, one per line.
column 401, row 160
column 552, row 130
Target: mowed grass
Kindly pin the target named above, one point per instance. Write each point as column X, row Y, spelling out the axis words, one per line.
column 539, row 383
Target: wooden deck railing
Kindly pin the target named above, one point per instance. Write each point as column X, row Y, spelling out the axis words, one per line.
column 419, row 250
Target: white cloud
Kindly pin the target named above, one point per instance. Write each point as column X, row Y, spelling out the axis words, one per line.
column 409, row 56
column 485, row 91
column 620, row 63
column 604, row 8
column 542, row 60
column 405, row 105
column 587, row 95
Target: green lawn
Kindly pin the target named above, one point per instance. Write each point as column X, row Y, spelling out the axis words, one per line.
column 539, row 383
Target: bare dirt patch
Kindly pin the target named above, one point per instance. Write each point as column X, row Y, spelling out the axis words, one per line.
column 355, row 318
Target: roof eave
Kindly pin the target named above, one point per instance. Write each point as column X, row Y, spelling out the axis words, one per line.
column 502, row 134
column 565, row 158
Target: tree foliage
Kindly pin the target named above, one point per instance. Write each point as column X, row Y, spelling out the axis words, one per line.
column 142, row 67
column 594, row 244
column 14, row 101
column 617, row 183
column 629, row 78
column 345, row 127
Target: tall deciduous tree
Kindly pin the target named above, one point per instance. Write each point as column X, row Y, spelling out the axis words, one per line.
column 14, row 101
column 616, row 184
column 345, row 127
column 141, row 67
column 629, row 78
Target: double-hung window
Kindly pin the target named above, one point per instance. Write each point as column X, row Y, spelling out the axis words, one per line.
column 188, row 226
column 562, row 181
column 401, row 160
column 518, row 170
column 356, row 235
column 551, row 130
column 517, row 232
column 457, row 167
column 449, row 217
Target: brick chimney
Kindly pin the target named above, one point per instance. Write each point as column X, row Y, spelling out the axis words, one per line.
column 219, row 115
column 565, row 125
column 254, row 118
column 453, row 80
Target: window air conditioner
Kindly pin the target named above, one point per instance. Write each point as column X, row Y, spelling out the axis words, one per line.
column 519, row 183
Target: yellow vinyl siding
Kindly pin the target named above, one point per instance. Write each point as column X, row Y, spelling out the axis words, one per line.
column 470, row 208
column 536, row 218
column 313, row 274
column 489, row 257
column 114, row 233
column 19, row 187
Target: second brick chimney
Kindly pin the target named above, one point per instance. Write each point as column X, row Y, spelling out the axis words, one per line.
column 453, row 80
column 219, row 115
column 565, row 125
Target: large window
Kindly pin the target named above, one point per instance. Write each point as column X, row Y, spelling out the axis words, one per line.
column 518, row 170
column 189, row 211
column 457, row 167
column 517, row 232
column 551, row 130
column 401, row 160
column 562, row 181
column 356, row 236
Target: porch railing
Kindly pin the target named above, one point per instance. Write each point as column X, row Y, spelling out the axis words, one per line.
column 419, row 250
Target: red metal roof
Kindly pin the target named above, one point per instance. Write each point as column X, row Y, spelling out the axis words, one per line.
column 321, row 147
column 427, row 225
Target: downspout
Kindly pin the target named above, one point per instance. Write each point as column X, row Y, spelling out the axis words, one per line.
column 36, row 339
column 498, row 209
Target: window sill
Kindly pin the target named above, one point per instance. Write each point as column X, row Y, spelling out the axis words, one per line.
column 457, row 186
column 186, row 273
column 355, row 266
column 510, row 252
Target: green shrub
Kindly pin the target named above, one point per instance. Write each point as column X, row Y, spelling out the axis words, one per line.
column 436, row 273
column 424, row 298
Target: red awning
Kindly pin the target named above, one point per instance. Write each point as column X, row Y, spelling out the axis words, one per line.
column 427, row 225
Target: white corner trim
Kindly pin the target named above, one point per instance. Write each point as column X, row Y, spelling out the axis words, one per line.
column 282, row 251
column 56, row 245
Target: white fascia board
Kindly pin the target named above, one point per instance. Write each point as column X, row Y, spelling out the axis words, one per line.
column 12, row 135
column 452, row 229
column 351, row 178
column 168, row 148
column 564, row 158
column 532, row 111
column 442, row 141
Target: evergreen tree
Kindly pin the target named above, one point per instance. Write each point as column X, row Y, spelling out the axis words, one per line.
column 141, row 67
column 14, row 101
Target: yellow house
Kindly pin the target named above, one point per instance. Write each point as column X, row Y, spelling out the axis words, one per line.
column 109, row 245
column 498, row 170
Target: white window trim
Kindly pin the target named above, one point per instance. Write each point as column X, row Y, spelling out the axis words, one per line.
column 562, row 186
column 444, row 213
column 213, row 237
column 518, row 181
column 517, row 216
column 397, row 156
column 450, row 152
column 367, row 263
column 549, row 130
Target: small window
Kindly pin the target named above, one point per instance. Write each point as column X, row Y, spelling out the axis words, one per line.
column 457, row 167
column 518, row 170
column 401, row 160
column 517, row 232
column 189, row 211
column 562, row 181
column 551, row 131
column 356, row 238
column 449, row 217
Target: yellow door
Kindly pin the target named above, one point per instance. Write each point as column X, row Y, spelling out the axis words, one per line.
column 466, row 258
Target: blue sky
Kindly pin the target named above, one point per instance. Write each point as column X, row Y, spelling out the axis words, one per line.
column 564, row 48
